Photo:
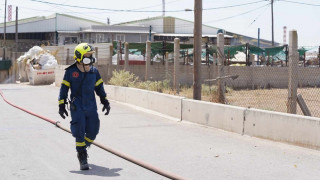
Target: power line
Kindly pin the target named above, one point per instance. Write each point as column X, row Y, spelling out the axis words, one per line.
column 300, row 3
column 237, row 5
column 237, row 15
column 128, row 10
column 256, row 18
column 101, row 9
column 155, row 5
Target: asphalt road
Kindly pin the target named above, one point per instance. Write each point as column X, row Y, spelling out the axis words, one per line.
column 31, row 148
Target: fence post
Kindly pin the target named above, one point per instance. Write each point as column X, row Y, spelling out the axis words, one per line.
column 97, row 53
column 293, row 72
column 187, row 57
column 118, row 58
column 319, row 55
column 228, row 57
column 110, row 61
column 126, row 56
column 176, row 64
column 221, row 57
column 303, row 105
column 68, row 51
column 247, row 54
column 163, row 52
column 167, row 65
column 287, row 55
column 214, row 56
column 148, row 59
column 252, row 56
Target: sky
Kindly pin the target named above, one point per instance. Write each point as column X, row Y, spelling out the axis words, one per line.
column 238, row 16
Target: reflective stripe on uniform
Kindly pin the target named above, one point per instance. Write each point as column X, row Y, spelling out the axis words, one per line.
column 99, row 82
column 89, row 140
column 66, row 83
column 61, row 101
column 80, row 144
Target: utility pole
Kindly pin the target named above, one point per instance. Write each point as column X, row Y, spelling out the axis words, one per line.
column 272, row 22
column 163, row 7
column 17, row 29
column 258, row 45
column 5, row 25
column 197, row 49
column 150, row 29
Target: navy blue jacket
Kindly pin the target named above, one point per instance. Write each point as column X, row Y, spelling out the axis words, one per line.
column 85, row 98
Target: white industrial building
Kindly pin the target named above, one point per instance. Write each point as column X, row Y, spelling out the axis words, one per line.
column 66, row 29
column 167, row 28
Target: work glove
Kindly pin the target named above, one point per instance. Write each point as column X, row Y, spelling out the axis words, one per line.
column 62, row 110
column 106, row 105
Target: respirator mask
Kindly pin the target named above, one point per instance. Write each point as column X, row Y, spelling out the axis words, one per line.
column 88, row 60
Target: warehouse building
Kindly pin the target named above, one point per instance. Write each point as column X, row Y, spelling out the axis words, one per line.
column 61, row 29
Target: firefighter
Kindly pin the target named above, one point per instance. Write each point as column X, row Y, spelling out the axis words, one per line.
column 83, row 79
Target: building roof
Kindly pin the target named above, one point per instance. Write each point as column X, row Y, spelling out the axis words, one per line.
column 40, row 18
column 228, row 33
column 159, row 17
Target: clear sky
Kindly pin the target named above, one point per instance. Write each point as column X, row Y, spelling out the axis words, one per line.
column 303, row 16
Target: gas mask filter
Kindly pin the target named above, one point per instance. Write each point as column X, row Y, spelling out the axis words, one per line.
column 89, row 61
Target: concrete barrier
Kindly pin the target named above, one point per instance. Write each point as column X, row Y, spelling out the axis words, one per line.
column 283, row 127
column 166, row 104
column 116, row 93
column 162, row 103
column 220, row 116
column 137, row 97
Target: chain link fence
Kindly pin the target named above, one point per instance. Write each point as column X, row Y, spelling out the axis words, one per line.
column 263, row 74
column 269, row 79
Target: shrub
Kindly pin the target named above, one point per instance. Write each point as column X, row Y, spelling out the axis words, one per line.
column 123, row 78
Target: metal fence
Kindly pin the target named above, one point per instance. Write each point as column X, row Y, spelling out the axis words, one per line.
column 263, row 74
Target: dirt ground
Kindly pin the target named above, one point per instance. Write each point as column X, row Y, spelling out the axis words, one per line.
column 269, row 99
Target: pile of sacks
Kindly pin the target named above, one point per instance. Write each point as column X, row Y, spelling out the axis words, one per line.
column 36, row 59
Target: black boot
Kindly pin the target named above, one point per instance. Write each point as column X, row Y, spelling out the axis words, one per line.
column 82, row 156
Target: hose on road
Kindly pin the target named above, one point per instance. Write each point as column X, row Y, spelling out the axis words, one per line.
column 119, row 154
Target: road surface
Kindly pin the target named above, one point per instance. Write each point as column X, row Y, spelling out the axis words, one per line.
column 32, row 148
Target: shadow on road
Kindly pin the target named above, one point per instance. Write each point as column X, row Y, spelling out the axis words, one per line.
column 96, row 170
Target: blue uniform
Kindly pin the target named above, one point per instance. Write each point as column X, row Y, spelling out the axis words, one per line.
column 85, row 122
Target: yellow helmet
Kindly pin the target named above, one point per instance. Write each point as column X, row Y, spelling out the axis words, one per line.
column 82, row 49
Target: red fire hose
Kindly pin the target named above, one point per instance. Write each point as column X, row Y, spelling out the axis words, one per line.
column 119, row 154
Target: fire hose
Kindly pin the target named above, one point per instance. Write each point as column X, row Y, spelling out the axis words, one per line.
column 112, row 151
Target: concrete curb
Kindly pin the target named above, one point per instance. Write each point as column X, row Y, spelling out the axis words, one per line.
column 294, row 129
column 168, row 105
column 229, row 118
